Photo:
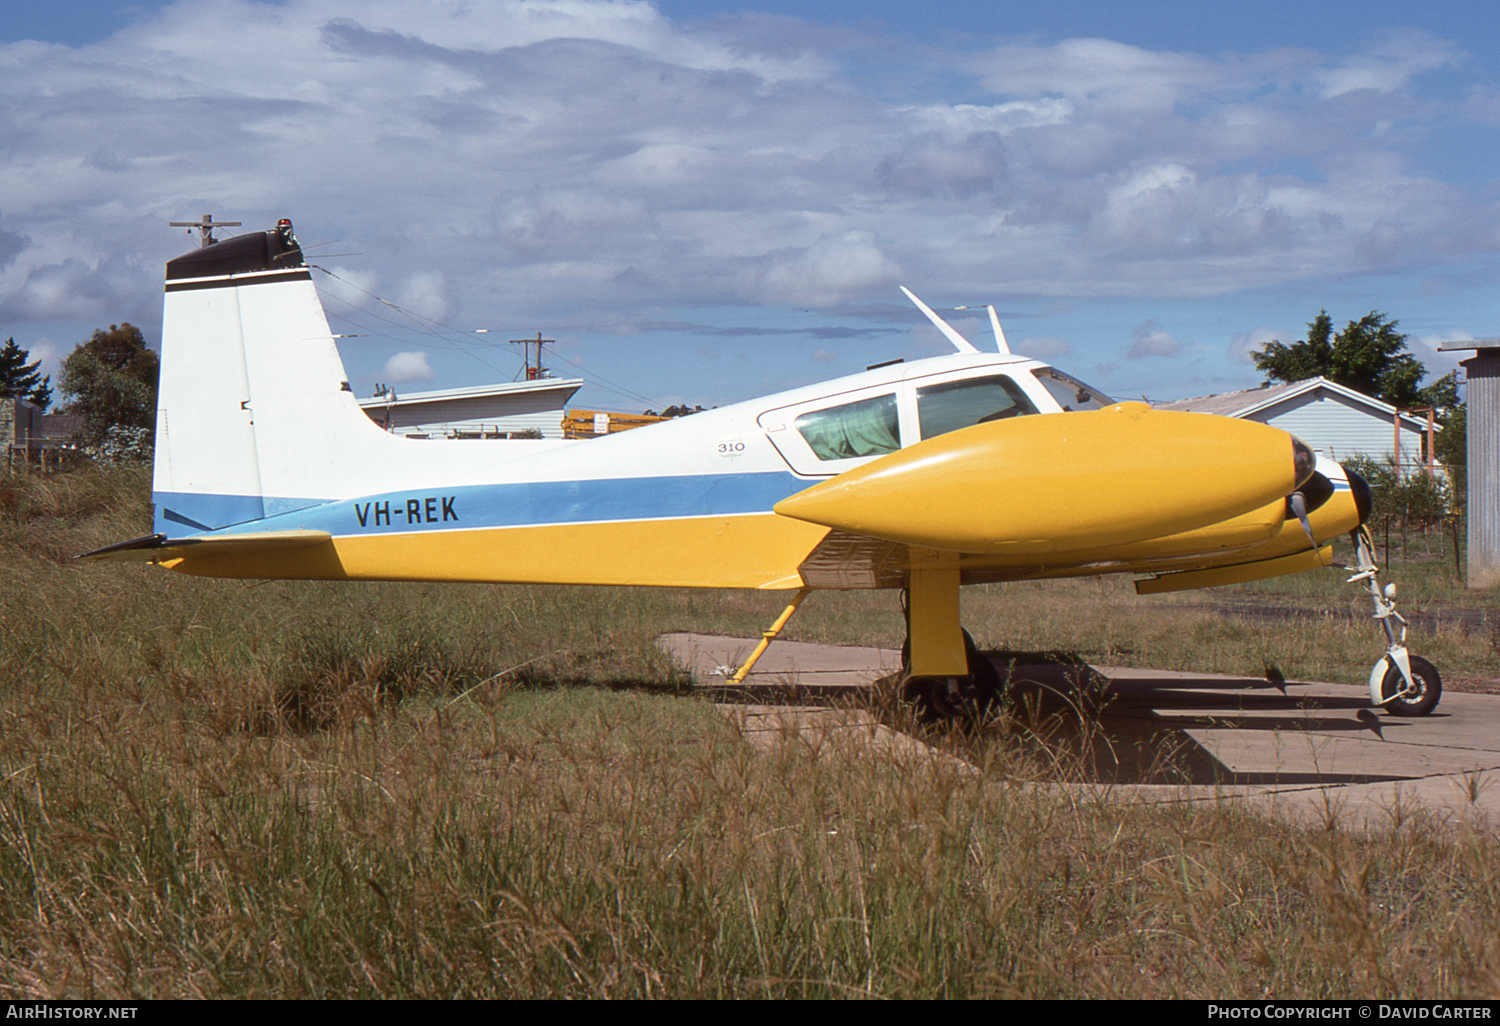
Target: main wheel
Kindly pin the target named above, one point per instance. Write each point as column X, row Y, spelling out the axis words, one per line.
column 1429, row 688
column 943, row 698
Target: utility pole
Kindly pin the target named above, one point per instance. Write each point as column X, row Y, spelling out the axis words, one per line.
column 206, row 226
column 533, row 372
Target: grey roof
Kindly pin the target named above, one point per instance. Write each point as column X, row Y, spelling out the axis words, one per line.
column 448, row 395
column 1228, row 404
column 1253, row 400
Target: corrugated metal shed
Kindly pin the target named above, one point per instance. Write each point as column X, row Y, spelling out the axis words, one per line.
column 1483, row 373
column 483, row 411
column 1335, row 420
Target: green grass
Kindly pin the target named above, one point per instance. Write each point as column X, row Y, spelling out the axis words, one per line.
column 299, row 789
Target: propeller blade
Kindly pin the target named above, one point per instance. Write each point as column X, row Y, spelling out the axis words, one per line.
column 1297, row 504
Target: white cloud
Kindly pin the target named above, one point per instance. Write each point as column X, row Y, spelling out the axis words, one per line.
column 350, row 287
column 425, row 294
column 1389, row 65
column 50, row 355
column 1441, row 363
column 1043, row 347
column 1098, row 70
column 834, row 268
column 959, row 120
column 1243, row 343
column 580, row 159
column 407, row 367
column 1149, row 340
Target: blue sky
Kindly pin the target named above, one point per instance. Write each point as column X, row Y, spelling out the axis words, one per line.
column 704, row 201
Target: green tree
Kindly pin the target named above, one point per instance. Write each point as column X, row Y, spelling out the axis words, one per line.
column 1369, row 356
column 111, row 380
column 19, row 379
column 1452, row 447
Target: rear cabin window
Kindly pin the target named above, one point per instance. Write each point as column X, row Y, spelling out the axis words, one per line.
column 869, row 427
column 960, row 404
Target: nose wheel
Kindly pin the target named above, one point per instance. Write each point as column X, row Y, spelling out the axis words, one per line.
column 1400, row 698
column 1404, row 684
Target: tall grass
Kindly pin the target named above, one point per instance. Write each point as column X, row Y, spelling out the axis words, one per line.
column 313, row 790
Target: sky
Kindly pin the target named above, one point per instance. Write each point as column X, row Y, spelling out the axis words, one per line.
column 702, row 202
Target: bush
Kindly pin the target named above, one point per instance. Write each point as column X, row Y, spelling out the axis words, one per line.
column 1420, row 499
column 122, row 445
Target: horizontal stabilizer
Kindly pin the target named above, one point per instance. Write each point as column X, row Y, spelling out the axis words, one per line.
column 158, row 548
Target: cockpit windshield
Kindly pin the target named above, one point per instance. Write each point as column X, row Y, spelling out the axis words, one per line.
column 964, row 403
column 1070, row 393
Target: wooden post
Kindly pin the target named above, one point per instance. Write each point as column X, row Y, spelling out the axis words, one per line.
column 1457, row 559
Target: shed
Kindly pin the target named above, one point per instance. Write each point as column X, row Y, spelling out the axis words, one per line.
column 1483, row 374
column 481, row 411
column 20, row 419
column 1333, row 419
column 28, row 435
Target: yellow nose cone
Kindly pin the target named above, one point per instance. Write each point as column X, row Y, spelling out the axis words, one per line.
column 1059, row 482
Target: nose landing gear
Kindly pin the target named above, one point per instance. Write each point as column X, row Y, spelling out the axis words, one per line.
column 1406, row 685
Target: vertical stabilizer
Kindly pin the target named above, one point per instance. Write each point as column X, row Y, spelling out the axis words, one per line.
column 254, row 415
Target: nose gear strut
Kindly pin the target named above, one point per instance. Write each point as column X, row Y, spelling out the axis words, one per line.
column 1405, row 684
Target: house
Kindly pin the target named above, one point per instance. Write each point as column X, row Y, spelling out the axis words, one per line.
column 527, row 408
column 1335, row 420
column 19, row 420
column 27, row 434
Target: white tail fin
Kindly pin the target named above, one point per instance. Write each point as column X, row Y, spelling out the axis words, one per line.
column 255, row 415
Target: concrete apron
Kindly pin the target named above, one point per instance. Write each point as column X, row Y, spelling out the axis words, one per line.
column 1315, row 751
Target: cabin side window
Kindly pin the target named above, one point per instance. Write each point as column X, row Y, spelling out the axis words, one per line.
column 960, row 404
column 869, row 427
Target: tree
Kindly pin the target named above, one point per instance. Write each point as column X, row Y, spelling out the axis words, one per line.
column 1369, row 356
column 1452, row 447
column 111, row 380
column 22, row 380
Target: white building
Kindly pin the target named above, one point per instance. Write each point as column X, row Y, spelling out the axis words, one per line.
column 482, row 411
column 1335, row 420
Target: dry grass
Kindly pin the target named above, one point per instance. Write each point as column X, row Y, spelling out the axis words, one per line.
column 306, row 790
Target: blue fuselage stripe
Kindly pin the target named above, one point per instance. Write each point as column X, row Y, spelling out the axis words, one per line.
column 516, row 505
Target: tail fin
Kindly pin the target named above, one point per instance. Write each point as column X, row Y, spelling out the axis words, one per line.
column 245, row 432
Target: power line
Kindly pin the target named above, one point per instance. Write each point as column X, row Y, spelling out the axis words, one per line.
column 593, row 377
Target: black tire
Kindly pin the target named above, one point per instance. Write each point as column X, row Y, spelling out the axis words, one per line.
column 934, row 698
column 983, row 687
column 1429, row 688
column 931, row 698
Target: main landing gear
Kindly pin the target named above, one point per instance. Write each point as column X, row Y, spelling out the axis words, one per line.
column 947, row 698
column 943, row 674
column 1405, row 684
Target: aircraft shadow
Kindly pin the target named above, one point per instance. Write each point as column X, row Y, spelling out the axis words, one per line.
column 1075, row 725
column 1136, row 730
